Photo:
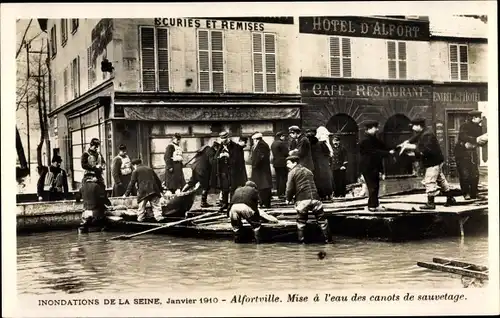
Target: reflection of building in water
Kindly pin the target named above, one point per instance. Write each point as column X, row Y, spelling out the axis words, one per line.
column 195, row 77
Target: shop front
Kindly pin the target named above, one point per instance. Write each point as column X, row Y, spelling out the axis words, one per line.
column 452, row 102
column 343, row 105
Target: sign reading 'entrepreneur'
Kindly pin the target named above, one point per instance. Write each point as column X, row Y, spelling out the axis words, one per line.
column 366, row 27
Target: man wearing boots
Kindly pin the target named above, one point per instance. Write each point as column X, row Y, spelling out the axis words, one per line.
column 244, row 205
column 300, row 186
column 466, row 155
column 425, row 147
column 261, row 169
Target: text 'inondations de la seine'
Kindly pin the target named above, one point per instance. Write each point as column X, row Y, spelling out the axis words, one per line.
column 249, row 299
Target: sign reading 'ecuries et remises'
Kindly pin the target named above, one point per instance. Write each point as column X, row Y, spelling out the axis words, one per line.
column 209, row 24
column 412, row 30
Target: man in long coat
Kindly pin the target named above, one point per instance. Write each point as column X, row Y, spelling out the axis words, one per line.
column 279, row 149
column 301, row 147
column 261, row 169
column 93, row 162
column 339, row 166
column 228, row 168
column 466, row 155
column 121, row 170
column 174, row 175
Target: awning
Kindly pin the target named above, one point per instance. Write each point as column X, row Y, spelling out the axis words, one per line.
column 226, row 112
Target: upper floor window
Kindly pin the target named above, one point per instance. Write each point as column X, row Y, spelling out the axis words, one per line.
column 264, row 62
column 53, row 95
column 154, row 59
column 66, row 84
column 211, row 61
column 75, row 76
column 64, row 31
column 396, row 56
column 53, row 41
column 74, row 25
column 459, row 62
column 91, row 75
column 340, row 57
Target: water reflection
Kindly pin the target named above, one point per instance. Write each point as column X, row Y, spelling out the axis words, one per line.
column 63, row 262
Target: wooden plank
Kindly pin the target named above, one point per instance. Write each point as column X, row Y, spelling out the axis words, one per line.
column 456, row 263
column 453, row 269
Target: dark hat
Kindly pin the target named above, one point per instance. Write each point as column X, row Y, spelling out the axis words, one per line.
column 336, row 137
column 418, row 121
column 224, row 134
column 177, row 135
column 95, row 142
column 293, row 158
column 279, row 134
column 251, row 184
column 475, row 113
column 371, row 123
column 311, row 132
column 294, row 128
column 122, row 147
column 244, row 139
column 137, row 161
column 57, row 159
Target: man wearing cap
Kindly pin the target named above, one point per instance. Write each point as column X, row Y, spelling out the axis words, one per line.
column 301, row 187
column 466, row 155
column 149, row 189
column 339, row 166
column 121, row 170
column 301, row 147
column 372, row 152
column 228, row 171
column 425, row 146
column 53, row 182
column 279, row 149
column 261, row 169
column 93, row 163
column 174, row 174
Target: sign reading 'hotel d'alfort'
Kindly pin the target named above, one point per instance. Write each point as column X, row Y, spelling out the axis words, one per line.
column 409, row 30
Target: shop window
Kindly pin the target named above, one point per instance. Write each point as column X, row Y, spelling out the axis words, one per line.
column 74, row 25
column 396, row 57
column 211, row 61
column 64, row 31
column 154, row 59
column 199, row 129
column 459, row 62
column 261, row 127
column 53, row 41
column 264, row 62
column 340, row 57
column 75, row 77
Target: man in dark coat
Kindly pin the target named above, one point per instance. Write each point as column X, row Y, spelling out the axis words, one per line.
column 121, row 170
column 466, row 155
column 339, row 166
column 261, row 169
column 228, row 168
column 301, row 147
column 244, row 205
column 174, row 174
column 372, row 151
column 279, row 149
column 93, row 162
column 53, row 182
column 425, row 147
column 95, row 202
column 301, row 187
column 149, row 189
column 201, row 172
column 320, row 153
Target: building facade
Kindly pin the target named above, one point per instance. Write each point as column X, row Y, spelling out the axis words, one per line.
column 195, row 77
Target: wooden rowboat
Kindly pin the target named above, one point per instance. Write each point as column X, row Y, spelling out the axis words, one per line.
column 457, row 267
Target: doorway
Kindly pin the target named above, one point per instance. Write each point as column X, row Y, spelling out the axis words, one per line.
column 396, row 130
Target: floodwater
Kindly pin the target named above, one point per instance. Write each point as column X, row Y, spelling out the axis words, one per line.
column 65, row 262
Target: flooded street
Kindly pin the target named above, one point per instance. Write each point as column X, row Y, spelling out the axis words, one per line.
column 63, row 262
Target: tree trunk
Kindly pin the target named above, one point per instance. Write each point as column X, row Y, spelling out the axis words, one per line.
column 46, row 121
column 40, row 117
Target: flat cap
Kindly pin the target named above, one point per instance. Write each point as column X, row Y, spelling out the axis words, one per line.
column 250, row 183
column 257, row 135
column 294, row 129
column 371, row 123
column 57, row 158
column 177, row 135
column 293, row 158
column 224, row 134
column 136, row 161
column 279, row 134
column 336, row 137
column 475, row 113
column 418, row 121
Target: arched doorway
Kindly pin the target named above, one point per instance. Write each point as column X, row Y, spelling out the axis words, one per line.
column 347, row 129
column 396, row 130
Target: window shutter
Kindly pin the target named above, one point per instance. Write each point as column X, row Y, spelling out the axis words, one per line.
column 64, row 31
column 402, row 59
column 54, row 95
column 454, row 62
column 335, row 57
column 148, row 62
column 73, row 78
column 464, row 63
column 90, row 70
column 203, row 61
column 258, row 67
column 65, row 80
column 217, row 61
column 270, row 51
column 163, row 80
column 391, row 56
column 346, row 57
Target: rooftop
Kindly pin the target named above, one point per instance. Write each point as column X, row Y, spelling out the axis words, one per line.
column 458, row 26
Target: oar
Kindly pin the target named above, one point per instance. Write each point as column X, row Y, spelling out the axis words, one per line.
column 126, row 237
